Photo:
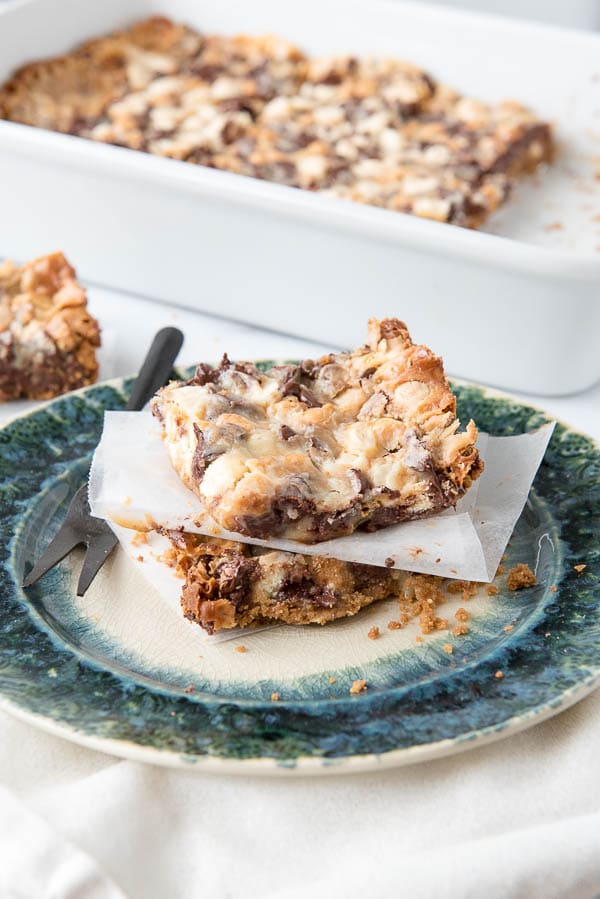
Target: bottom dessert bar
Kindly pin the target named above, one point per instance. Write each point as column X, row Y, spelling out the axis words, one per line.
column 229, row 584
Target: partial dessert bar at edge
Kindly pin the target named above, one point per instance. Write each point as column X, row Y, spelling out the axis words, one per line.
column 314, row 451
column 377, row 131
column 48, row 338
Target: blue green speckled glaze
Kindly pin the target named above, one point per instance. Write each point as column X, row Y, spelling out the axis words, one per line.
column 56, row 667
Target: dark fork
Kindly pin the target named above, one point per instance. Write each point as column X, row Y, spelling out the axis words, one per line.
column 80, row 526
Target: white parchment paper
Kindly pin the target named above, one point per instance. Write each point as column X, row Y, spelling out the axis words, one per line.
column 133, row 485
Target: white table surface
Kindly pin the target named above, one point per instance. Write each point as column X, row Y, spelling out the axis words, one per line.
column 520, row 818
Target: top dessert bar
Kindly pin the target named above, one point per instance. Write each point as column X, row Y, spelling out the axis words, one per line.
column 314, row 451
column 376, row 131
column 48, row 338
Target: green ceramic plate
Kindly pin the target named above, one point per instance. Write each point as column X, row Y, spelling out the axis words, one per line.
column 113, row 671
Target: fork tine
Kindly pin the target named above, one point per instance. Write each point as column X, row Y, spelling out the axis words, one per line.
column 99, row 549
column 61, row 545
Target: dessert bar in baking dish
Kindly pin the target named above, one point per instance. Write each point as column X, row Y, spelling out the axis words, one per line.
column 377, row 131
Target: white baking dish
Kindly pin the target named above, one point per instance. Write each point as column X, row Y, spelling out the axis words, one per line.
column 573, row 13
column 516, row 308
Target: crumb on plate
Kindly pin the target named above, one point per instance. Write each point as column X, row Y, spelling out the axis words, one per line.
column 520, row 577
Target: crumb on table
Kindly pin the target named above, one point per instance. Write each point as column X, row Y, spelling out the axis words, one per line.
column 274, row 697
column 499, row 675
column 460, row 630
column 579, row 568
column 190, row 689
column 461, row 615
column 394, row 625
column 508, row 628
column 241, row 648
column 373, row 633
column 447, row 647
column 332, row 680
column 358, row 686
column 492, row 590
column 520, row 577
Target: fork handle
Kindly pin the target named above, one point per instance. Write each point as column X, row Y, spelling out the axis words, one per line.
column 156, row 367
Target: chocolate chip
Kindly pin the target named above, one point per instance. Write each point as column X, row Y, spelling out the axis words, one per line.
column 359, row 480
column 307, row 592
column 286, row 433
column 234, row 577
column 203, row 375
column 207, row 449
column 385, row 516
column 229, row 132
column 205, row 72
column 304, row 394
column 392, row 327
column 199, row 461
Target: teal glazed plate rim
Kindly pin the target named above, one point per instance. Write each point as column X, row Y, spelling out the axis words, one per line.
column 62, row 673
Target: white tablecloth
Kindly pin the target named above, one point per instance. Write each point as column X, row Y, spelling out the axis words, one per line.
column 519, row 818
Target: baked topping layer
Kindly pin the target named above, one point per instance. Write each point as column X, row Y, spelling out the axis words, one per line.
column 317, row 450
column 376, row 131
column 47, row 336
